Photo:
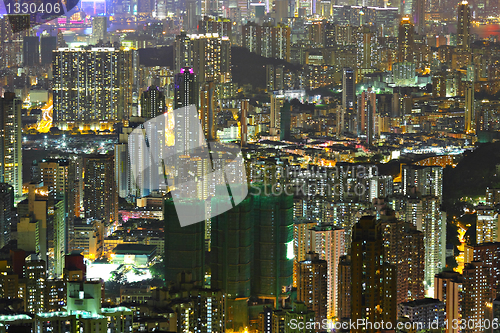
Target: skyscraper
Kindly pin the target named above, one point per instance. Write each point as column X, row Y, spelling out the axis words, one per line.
column 93, row 86
column 54, row 174
column 190, row 18
column 123, row 169
column 232, row 246
column 184, row 246
column 185, row 92
column 419, row 16
column 469, row 108
column 434, row 229
column 251, row 37
column 373, row 287
column 270, row 77
column 423, row 180
column 346, row 121
column 31, row 51
column 207, row 110
column 404, row 248
column 463, row 25
column 35, row 274
column 487, row 225
column 448, row 288
column 10, row 142
column 328, row 242
column 33, row 220
column 100, row 199
column 183, row 52
column 208, row 54
column 47, row 45
column 367, row 115
column 245, row 106
column 344, row 288
column 221, row 26
column 7, row 213
column 312, row 285
column 99, row 27
column 281, row 10
column 489, row 255
column 152, row 102
column 406, row 40
column 477, row 295
column 253, row 242
column 281, row 42
column 277, row 102
column 301, row 228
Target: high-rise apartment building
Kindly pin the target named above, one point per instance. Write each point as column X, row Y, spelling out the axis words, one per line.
column 231, row 269
column 434, row 230
column 31, row 51
column 312, row 285
column 32, row 224
column 35, row 276
column 463, row 25
column 344, row 288
column 448, row 288
column 469, row 112
column 10, row 142
column 211, row 58
column 55, row 175
column 186, row 116
column 93, row 86
column 100, row 27
column 277, row 102
column 7, row 213
column 197, row 309
column 492, row 196
column 489, row 255
column 100, row 198
column 207, row 110
column 367, row 119
column 183, row 52
column 184, row 246
column 477, row 296
column 406, row 40
column 345, row 123
column 301, row 228
column 267, row 40
column 426, row 312
column 125, row 186
column 208, row 54
column 89, row 238
column 404, row 248
column 422, row 180
column 251, row 254
column 328, row 242
column 374, row 280
column 152, row 102
column 245, row 109
column 281, row 42
column 419, row 16
column 221, row 26
column 251, row 37
column 487, row 225
column 185, row 92
column 47, row 45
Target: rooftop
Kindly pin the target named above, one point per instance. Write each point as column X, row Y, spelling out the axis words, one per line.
column 134, row 249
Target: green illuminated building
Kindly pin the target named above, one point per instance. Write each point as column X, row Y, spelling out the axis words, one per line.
column 250, row 256
column 184, row 246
